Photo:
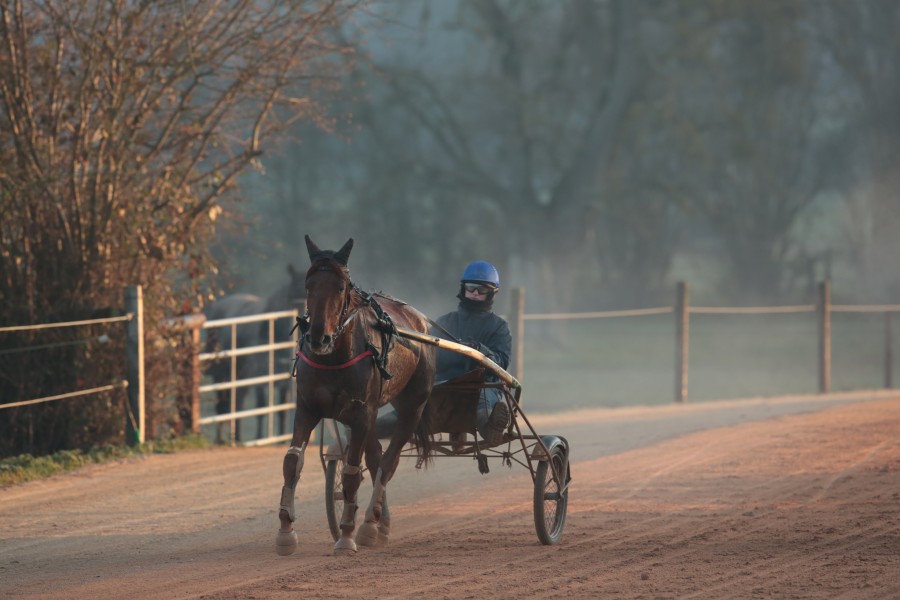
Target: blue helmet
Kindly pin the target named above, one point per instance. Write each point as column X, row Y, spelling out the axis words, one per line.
column 483, row 271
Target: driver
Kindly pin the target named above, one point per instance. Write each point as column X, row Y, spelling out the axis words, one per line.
column 474, row 324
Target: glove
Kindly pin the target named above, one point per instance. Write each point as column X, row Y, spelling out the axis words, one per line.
column 482, row 348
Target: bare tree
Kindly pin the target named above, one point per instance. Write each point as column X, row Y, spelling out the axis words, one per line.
column 755, row 152
column 870, row 95
column 583, row 144
column 125, row 126
column 511, row 116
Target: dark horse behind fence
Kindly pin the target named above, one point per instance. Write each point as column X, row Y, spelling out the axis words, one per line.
column 288, row 296
column 349, row 364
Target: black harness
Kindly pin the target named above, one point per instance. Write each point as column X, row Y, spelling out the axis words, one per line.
column 383, row 324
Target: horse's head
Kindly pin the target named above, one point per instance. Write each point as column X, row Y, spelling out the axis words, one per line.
column 328, row 297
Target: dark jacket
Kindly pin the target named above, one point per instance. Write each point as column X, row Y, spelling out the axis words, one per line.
column 486, row 332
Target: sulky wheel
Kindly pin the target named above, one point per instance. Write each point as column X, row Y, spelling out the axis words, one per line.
column 549, row 504
column 334, row 495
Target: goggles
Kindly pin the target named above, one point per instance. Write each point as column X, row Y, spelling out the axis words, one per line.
column 477, row 288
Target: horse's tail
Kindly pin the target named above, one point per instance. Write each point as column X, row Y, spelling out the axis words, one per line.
column 424, row 437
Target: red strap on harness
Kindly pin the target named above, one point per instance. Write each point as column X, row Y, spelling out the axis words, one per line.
column 350, row 363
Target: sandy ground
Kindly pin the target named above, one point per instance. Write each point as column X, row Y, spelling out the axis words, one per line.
column 786, row 498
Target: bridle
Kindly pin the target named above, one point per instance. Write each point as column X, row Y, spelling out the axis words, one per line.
column 383, row 324
column 303, row 323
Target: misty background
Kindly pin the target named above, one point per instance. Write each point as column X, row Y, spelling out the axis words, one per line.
column 597, row 152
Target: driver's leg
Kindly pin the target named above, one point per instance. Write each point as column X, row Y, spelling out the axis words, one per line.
column 491, row 416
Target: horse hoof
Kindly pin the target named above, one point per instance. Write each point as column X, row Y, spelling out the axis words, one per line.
column 384, row 530
column 367, row 534
column 344, row 546
column 286, row 543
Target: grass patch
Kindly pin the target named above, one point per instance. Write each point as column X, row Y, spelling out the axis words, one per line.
column 25, row 467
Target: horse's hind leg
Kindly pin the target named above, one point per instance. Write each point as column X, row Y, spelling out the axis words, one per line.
column 351, row 480
column 262, row 402
column 376, row 527
column 304, row 423
column 367, row 536
column 223, row 405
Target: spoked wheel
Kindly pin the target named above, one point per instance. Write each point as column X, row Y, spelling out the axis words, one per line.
column 334, row 495
column 549, row 504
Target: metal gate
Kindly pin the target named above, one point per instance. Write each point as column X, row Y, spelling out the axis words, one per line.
column 278, row 378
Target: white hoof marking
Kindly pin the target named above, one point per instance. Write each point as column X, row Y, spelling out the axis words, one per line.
column 344, row 546
column 286, row 543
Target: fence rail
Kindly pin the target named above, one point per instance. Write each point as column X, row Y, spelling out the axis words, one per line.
column 602, row 314
column 134, row 367
column 750, row 310
column 127, row 317
column 872, row 308
column 683, row 310
column 97, row 390
column 245, row 351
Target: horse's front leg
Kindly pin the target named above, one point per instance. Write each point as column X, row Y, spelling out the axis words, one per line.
column 286, row 539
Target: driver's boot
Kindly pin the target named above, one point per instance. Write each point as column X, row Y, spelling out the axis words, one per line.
column 493, row 426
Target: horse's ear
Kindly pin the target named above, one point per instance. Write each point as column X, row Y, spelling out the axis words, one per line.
column 343, row 255
column 312, row 248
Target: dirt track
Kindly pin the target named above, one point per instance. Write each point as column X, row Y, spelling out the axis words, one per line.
column 697, row 501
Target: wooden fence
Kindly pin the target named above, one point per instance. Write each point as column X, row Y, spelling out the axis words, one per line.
column 135, row 427
column 682, row 311
column 135, row 412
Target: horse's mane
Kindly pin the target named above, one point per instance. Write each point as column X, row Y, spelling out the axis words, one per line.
column 393, row 299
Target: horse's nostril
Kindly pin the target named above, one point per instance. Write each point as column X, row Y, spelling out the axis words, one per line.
column 326, row 340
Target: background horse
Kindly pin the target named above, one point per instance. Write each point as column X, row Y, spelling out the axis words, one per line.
column 288, row 296
column 348, row 366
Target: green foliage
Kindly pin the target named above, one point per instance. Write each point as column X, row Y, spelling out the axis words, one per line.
column 25, row 467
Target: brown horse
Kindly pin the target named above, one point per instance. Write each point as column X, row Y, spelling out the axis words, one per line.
column 343, row 373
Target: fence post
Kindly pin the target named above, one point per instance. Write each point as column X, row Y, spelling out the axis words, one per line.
column 270, row 418
column 517, row 317
column 823, row 309
column 234, row 377
column 196, row 375
column 134, row 353
column 682, row 341
column 888, row 352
